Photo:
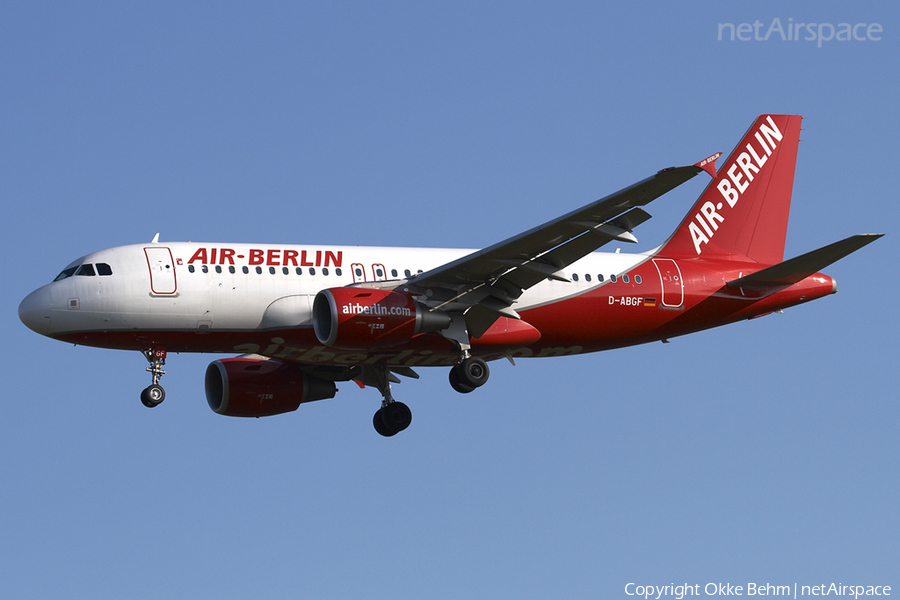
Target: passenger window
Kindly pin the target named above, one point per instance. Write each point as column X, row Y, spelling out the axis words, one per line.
column 285, row 270
column 245, row 270
column 625, row 278
column 259, row 270
column 600, row 278
column 393, row 272
column 358, row 271
column 612, row 278
column 218, row 269
column 587, row 276
column 378, row 273
column 407, row 273
column 231, row 270
column 271, row 270
column 205, row 269
column 337, row 272
column 87, row 270
column 574, row 276
column 324, row 270
column 312, row 271
column 104, row 269
column 637, row 278
column 190, row 268
column 299, row 271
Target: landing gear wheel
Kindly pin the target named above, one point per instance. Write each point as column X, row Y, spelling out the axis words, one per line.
column 396, row 416
column 379, row 424
column 456, row 384
column 392, row 419
column 153, row 396
column 473, row 372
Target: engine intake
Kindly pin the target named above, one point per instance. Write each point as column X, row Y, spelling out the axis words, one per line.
column 361, row 318
column 252, row 387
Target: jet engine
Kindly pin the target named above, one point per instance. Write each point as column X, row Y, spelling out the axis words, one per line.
column 259, row 387
column 353, row 318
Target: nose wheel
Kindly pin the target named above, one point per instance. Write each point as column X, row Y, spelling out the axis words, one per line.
column 154, row 394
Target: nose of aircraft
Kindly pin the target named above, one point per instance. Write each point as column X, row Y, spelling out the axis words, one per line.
column 34, row 311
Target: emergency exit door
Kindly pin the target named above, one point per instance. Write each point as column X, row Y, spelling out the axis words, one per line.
column 672, row 285
column 162, row 270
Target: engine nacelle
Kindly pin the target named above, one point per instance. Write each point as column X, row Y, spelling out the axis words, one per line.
column 354, row 318
column 253, row 387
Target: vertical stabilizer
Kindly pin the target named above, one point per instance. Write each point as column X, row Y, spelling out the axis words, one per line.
column 744, row 210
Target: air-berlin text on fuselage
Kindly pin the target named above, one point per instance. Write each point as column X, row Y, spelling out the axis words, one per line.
column 275, row 257
column 741, row 172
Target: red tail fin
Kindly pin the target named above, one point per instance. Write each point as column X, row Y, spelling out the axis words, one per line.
column 744, row 211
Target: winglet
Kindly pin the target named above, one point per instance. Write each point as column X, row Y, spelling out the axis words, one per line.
column 708, row 164
column 155, row 239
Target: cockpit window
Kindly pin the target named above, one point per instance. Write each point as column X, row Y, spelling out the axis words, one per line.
column 86, row 270
column 67, row 273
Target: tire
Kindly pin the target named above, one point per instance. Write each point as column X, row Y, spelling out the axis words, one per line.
column 153, row 396
column 473, row 372
column 456, row 384
column 380, row 427
column 396, row 417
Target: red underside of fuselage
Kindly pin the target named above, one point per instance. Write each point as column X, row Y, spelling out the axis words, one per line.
column 604, row 318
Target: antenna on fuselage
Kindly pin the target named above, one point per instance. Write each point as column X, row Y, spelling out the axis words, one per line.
column 155, row 239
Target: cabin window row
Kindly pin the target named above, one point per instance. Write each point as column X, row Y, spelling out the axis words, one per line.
column 298, row 270
column 379, row 273
column 612, row 278
column 272, row 270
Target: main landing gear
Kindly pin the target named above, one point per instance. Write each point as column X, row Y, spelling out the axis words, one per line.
column 154, row 394
column 469, row 373
column 393, row 417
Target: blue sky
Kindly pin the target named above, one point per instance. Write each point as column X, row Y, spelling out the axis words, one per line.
column 766, row 451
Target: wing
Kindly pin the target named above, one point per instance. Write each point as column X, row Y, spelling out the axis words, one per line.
column 485, row 284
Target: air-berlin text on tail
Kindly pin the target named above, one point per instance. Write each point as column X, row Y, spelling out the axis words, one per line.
column 276, row 257
column 734, row 181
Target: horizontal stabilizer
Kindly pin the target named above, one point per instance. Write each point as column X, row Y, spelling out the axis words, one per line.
column 797, row 269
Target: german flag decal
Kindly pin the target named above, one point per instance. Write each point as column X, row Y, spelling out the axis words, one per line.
column 649, row 301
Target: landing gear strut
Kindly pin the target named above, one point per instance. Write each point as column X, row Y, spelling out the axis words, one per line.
column 393, row 417
column 154, row 394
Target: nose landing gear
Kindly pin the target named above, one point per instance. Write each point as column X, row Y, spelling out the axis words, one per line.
column 154, row 394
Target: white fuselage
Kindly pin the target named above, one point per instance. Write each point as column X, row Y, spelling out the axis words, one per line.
column 204, row 288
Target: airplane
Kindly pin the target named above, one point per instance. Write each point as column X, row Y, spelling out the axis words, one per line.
column 304, row 318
